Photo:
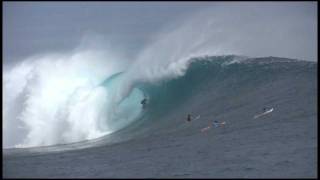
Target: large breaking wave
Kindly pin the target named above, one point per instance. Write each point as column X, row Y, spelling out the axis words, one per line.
column 64, row 98
column 64, row 106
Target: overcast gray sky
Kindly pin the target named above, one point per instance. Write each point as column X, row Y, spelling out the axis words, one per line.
column 33, row 27
column 39, row 27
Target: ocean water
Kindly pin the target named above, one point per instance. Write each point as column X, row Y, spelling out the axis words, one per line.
column 93, row 111
column 98, row 117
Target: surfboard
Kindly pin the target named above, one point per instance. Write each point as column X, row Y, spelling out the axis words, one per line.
column 198, row 117
column 264, row 113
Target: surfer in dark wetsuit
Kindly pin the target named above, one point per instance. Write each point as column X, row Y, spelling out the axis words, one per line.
column 189, row 117
column 215, row 124
column 144, row 103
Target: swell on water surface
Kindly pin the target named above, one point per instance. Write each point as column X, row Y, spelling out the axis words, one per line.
column 101, row 109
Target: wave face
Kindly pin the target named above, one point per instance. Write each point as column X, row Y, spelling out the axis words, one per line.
column 225, row 82
column 77, row 109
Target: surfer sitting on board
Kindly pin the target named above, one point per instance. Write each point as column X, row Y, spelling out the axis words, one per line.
column 264, row 109
column 189, row 117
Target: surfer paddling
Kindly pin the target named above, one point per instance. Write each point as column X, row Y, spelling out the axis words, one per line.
column 215, row 124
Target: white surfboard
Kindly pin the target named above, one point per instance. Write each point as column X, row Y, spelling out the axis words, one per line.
column 264, row 113
column 198, row 117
